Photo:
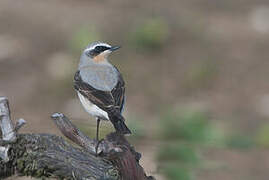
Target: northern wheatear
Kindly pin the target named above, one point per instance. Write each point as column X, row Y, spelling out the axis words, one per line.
column 100, row 86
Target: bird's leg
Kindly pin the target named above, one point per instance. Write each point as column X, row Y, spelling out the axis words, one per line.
column 97, row 136
column 97, row 129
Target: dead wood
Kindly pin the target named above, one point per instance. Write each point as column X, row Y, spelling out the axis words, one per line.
column 50, row 156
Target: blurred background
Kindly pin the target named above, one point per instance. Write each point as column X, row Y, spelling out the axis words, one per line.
column 196, row 73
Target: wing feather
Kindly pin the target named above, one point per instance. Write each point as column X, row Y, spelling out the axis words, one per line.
column 105, row 100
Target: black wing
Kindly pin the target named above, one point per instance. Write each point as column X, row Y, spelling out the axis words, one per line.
column 110, row 101
column 106, row 100
column 118, row 92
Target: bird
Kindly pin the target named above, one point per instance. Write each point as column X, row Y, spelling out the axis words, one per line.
column 100, row 86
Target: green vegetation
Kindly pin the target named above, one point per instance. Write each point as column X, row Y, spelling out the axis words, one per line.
column 262, row 137
column 151, row 35
column 90, row 128
column 201, row 75
column 189, row 126
column 138, row 130
column 184, row 133
column 179, row 154
column 82, row 37
column 174, row 172
column 239, row 142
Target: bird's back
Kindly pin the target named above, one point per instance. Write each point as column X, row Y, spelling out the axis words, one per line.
column 101, row 77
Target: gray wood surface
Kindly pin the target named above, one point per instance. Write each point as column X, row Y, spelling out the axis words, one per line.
column 50, row 156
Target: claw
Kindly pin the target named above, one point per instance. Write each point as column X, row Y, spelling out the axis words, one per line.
column 97, row 145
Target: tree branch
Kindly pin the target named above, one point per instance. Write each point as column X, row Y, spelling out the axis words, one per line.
column 7, row 129
column 45, row 155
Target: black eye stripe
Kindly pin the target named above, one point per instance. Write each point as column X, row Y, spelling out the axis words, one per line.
column 101, row 48
column 92, row 53
column 97, row 50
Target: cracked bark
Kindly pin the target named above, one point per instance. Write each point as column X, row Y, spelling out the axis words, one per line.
column 50, row 156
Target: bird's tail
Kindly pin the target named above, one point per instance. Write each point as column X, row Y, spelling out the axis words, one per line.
column 118, row 122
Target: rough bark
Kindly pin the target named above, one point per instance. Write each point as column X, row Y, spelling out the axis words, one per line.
column 50, row 156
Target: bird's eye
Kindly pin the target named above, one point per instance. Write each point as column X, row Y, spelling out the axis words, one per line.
column 97, row 50
column 100, row 49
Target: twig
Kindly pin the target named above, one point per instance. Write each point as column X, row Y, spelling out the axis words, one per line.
column 70, row 131
column 19, row 123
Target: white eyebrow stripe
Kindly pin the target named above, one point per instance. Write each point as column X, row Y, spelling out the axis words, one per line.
column 99, row 44
column 88, row 49
column 102, row 44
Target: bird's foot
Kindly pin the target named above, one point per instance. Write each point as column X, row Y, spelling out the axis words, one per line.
column 97, row 145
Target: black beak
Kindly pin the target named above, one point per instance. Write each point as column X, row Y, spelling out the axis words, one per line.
column 114, row 48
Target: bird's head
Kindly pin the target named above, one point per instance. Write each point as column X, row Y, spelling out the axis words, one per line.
column 99, row 51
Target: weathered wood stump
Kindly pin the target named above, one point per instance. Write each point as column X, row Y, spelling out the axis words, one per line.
column 50, row 156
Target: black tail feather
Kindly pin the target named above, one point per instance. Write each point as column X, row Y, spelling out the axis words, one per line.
column 121, row 127
column 118, row 122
